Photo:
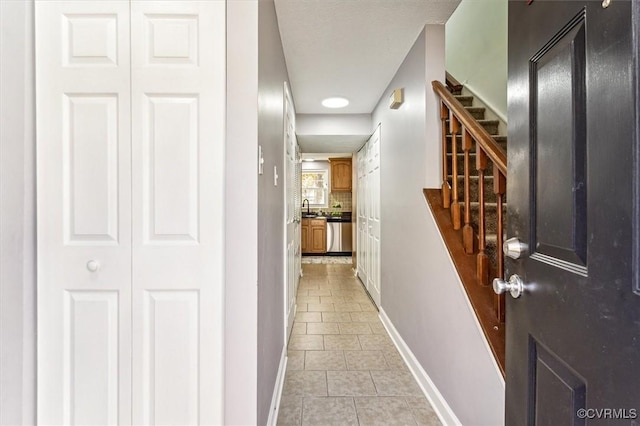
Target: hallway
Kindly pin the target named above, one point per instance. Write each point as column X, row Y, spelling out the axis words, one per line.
column 343, row 368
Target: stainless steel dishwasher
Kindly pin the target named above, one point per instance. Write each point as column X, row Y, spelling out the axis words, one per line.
column 334, row 239
column 339, row 237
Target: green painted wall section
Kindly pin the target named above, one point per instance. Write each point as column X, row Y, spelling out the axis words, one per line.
column 476, row 50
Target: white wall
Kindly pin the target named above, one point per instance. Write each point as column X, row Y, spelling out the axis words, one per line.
column 477, row 50
column 421, row 292
column 241, row 226
column 17, row 215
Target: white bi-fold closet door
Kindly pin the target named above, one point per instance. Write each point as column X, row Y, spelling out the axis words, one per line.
column 130, row 121
column 368, row 161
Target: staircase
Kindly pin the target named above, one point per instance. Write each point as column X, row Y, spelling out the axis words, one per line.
column 492, row 127
column 469, row 208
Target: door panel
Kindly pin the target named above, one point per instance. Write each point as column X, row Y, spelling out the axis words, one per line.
column 90, row 168
column 572, row 336
column 90, row 369
column 84, row 212
column 178, row 81
column 558, row 98
column 170, row 357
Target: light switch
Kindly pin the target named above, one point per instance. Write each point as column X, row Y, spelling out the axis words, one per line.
column 260, row 161
column 275, row 175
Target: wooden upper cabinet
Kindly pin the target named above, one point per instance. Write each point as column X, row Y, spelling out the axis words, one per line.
column 340, row 174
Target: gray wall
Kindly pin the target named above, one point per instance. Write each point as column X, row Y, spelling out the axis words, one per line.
column 477, row 50
column 272, row 73
column 17, row 215
column 421, row 292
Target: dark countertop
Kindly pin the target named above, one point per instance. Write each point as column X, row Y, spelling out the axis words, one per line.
column 344, row 219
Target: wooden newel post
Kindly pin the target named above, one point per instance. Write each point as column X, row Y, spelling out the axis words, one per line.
column 455, row 205
column 482, row 271
column 499, row 188
column 467, row 230
column 446, row 189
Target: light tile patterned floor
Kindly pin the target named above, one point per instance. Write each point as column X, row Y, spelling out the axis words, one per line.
column 343, row 368
column 346, row 260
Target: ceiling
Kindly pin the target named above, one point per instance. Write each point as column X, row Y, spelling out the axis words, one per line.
column 330, row 144
column 350, row 48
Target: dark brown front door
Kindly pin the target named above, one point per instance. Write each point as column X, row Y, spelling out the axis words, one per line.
column 573, row 337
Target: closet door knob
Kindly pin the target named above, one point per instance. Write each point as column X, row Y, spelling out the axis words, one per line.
column 93, row 265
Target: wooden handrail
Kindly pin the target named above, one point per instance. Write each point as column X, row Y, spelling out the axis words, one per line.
column 495, row 153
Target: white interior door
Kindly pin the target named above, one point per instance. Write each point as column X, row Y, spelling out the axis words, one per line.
column 178, row 109
column 84, row 212
column 368, row 211
column 374, row 217
column 292, row 221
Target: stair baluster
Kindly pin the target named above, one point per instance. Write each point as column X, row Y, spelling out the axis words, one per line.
column 482, row 270
column 446, row 189
column 500, row 189
column 467, row 230
column 455, row 205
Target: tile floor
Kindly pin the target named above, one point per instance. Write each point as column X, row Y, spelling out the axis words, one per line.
column 346, row 260
column 343, row 368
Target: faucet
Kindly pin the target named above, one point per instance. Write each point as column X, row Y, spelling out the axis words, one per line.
column 307, row 204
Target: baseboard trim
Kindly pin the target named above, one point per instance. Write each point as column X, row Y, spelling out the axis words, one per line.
column 277, row 389
column 439, row 404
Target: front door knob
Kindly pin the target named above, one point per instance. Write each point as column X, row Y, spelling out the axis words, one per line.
column 515, row 286
column 514, row 248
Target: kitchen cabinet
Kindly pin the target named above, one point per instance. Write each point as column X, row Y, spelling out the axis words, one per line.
column 314, row 236
column 340, row 174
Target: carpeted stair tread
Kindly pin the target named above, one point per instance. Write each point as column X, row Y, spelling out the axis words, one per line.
column 500, row 140
column 491, row 126
column 476, row 112
column 472, row 163
column 464, row 100
column 489, row 195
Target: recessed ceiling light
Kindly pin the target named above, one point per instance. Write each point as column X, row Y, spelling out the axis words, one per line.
column 335, row 102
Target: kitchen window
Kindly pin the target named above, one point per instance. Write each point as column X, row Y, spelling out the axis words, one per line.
column 315, row 187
